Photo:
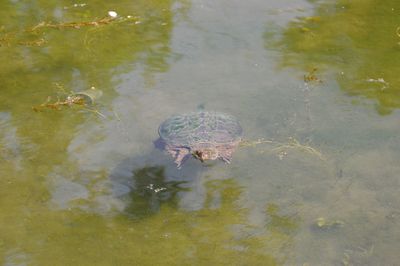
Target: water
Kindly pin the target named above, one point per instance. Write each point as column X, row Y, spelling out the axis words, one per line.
column 85, row 186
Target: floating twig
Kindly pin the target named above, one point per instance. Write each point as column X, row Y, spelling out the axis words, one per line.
column 311, row 77
column 69, row 101
column 111, row 18
column 38, row 42
column 6, row 38
column 12, row 38
column 84, row 99
column 74, row 25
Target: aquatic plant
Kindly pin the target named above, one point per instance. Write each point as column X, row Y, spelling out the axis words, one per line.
column 359, row 40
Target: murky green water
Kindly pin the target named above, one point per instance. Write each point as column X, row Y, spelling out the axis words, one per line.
column 84, row 185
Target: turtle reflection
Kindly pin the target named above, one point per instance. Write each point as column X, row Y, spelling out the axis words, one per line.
column 151, row 190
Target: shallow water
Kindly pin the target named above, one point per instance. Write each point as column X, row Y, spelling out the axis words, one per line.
column 84, row 185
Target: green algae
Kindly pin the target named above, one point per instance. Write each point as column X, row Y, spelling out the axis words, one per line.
column 169, row 236
column 356, row 39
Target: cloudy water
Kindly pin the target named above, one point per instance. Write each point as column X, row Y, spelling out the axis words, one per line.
column 85, row 85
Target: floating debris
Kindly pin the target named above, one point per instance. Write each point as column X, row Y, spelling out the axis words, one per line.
column 313, row 19
column 357, row 254
column 295, row 144
column 75, row 6
column 323, row 224
column 90, row 95
column 74, row 25
column 8, row 39
column 5, row 39
column 305, row 29
column 112, row 14
column 84, row 99
column 311, row 77
column 69, row 101
column 379, row 81
column 248, row 143
column 281, row 148
column 38, row 42
column 112, row 17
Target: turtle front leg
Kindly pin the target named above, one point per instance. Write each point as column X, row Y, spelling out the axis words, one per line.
column 180, row 157
column 226, row 156
column 171, row 150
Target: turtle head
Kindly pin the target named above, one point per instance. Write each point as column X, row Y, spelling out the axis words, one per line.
column 205, row 154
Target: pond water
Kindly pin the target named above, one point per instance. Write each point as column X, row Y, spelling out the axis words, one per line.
column 83, row 184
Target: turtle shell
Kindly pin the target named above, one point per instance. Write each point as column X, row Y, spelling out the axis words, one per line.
column 193, row 128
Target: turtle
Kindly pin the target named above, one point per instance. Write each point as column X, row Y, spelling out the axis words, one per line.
column 206, row 135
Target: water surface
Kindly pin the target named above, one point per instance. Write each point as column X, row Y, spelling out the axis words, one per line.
column 84, row 185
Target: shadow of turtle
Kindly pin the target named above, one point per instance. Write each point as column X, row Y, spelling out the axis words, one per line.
column 145, row 183
column 151, row 190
